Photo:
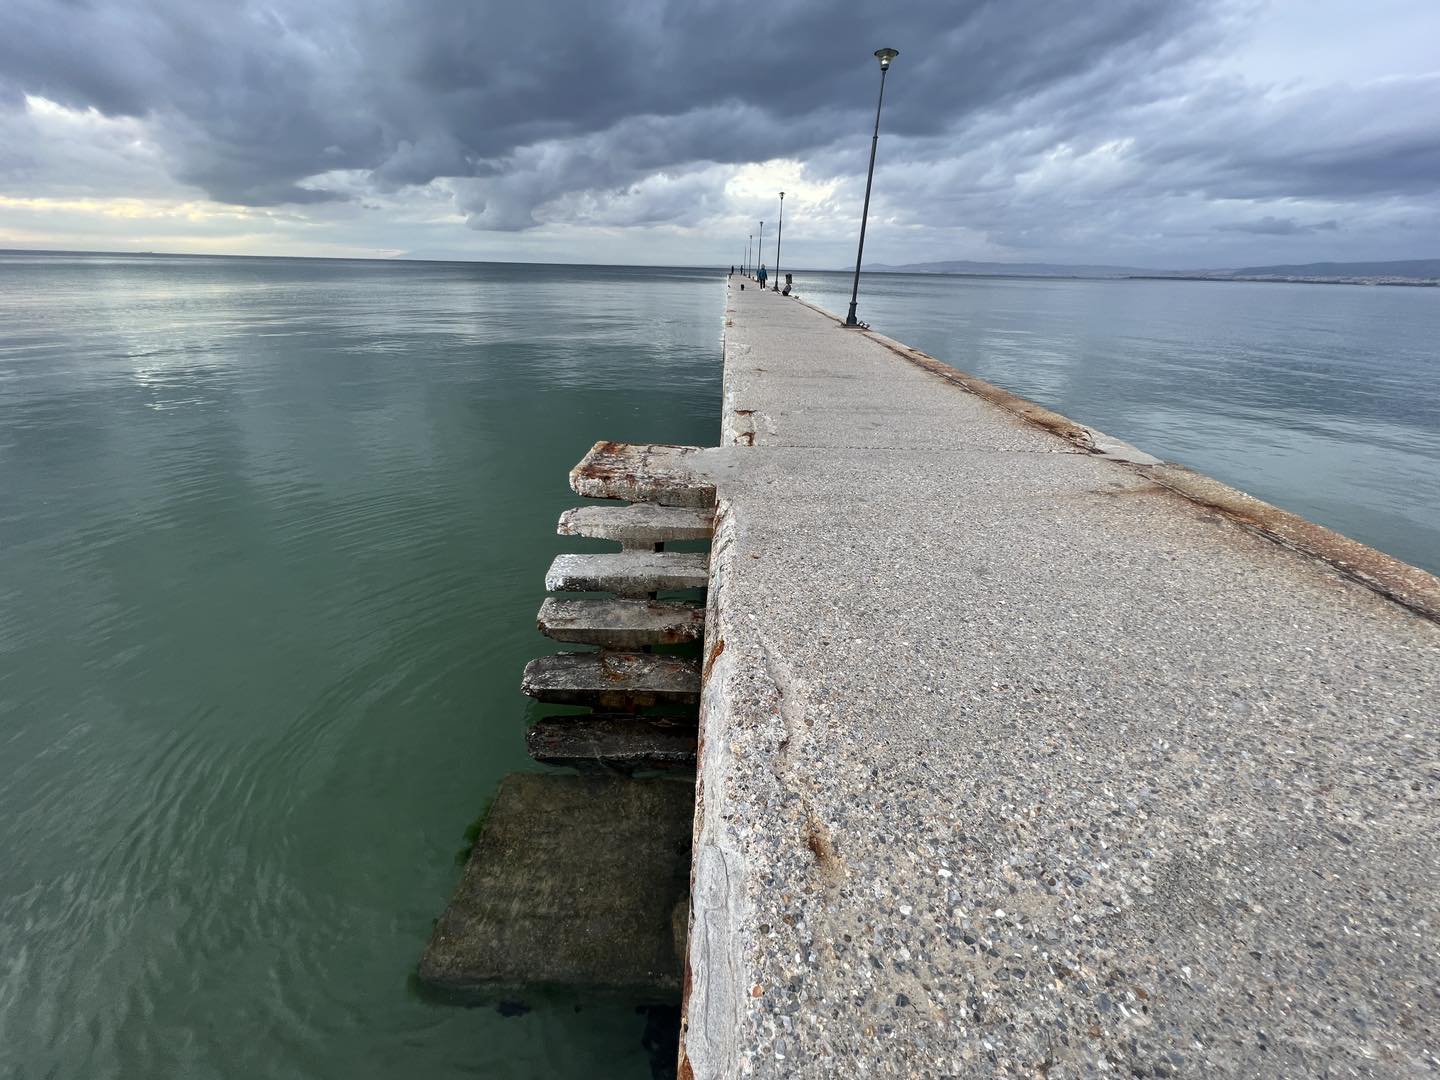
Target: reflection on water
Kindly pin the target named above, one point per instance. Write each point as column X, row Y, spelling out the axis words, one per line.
column 1324, row 400
column 274, row 534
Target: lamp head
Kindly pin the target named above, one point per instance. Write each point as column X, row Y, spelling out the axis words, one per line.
column 885, row 56
column 782, row 194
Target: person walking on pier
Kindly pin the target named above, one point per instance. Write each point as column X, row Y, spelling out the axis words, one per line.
column 761, row 276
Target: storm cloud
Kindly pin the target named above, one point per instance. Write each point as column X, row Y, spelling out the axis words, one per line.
column 1270, row 225
column 1030, row 129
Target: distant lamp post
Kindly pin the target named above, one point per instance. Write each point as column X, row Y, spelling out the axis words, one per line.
column 749, row 243
column 779, row 232
column 884, row 56
column 760, row 249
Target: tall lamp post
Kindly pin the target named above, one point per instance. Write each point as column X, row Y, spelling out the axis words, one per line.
column 884, row 56
column 749, row 243
column 779, row 232
column 760, row 248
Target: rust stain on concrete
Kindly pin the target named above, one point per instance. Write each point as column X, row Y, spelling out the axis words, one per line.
column 1406, row 585
column 715, row 651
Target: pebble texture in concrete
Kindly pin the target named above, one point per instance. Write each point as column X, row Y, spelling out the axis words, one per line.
column 1015, row 763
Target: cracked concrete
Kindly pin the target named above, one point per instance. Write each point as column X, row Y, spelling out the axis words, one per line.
column 1023, row 756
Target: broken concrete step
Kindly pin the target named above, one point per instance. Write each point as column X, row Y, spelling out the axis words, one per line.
column 574, row 882
column 612, row 680
column 618, row 742
column 641, row 523
column 621, row 624
column 628, row 572
column 643, row 472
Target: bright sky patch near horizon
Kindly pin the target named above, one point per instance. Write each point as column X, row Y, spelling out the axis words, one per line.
column 1193, row 133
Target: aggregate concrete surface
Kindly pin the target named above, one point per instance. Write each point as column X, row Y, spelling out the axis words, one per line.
column 1016, row 763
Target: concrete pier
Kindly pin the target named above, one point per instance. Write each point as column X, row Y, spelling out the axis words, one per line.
column 1022, row 756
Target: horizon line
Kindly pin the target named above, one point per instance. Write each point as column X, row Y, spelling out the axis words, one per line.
column 875, row 267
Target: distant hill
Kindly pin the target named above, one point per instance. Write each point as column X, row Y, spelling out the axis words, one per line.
column 1415, row 269
column 1406, row 268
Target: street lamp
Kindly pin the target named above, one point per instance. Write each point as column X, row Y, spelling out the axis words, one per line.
column 760, row 249
column 779, row 232
column 749, row 243
column 884, row 56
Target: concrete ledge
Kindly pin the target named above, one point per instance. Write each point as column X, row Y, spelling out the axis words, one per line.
column 613, row 742
column 632, row 572
column 644, row 472
column 612, row 680
column 620, row 624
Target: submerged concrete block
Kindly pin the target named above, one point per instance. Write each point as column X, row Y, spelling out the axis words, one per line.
column 621, row 624
column 573, row 883
column 612, row 680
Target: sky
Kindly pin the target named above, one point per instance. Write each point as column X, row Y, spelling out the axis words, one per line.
column 1154, row 133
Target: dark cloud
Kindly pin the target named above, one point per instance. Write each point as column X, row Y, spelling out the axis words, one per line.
column 1031, row 127
column 253, row 99
column 1269, row 225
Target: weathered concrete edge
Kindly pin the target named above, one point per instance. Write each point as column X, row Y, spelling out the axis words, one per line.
column 709, row 1009
column 1398, row 581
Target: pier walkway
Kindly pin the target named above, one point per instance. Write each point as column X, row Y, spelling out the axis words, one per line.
column 1016, row 761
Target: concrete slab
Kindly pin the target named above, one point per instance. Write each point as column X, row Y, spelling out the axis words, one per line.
column 638, row 523
column 612, row 680
column 614, row 742
column 630, row 572
column 644, row 472
column 572, row 884
column 1017, row 762
column 621, row 624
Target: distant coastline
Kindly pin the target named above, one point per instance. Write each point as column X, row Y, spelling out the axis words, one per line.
column 1414, row 272
column 1294, row 280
